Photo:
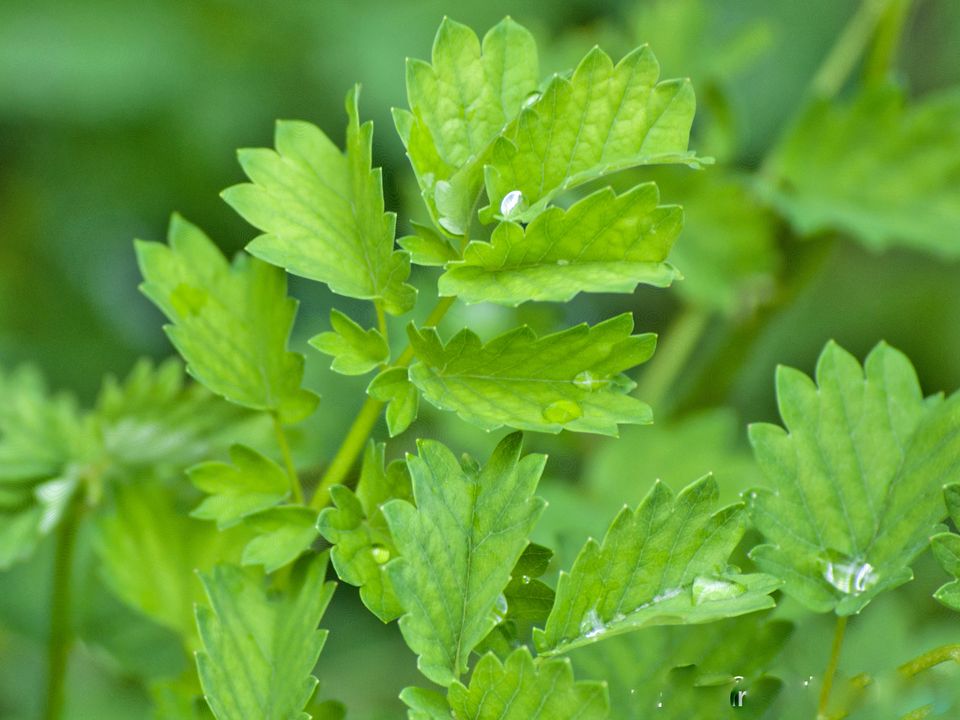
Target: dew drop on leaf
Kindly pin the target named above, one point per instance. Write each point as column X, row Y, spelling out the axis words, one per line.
column 588, row 381
column 531, row 99
column 512, row 202
column 380, row 554
column 850, row 576
column 709, row 589
column 562, row 411
column 592, row 626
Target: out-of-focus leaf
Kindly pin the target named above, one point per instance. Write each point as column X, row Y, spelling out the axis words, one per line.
column 283, row 534
column 246, row 485
column 568, row 380
column 946, row 547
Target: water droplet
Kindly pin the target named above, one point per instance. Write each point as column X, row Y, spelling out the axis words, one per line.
column 588, row 381
column 561, row 262
column 738, row 679
column 525, row 579
column 592, row 626
column 562, row 411
column 380, row 554
column 660, row 702
column 808, row 681
column 531, row 99
column 851, row 576
column 513, row 202
column 709, row 589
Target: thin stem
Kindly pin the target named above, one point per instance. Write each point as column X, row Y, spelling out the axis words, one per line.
column 680, row 341
column 363, row 424
column 381, row 319
column 929, row 659
column 838, row 65
column 281, row 436
column 61, row 636
column 882, row 59
column 831, row 670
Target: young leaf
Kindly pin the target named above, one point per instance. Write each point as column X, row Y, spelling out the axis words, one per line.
column 663, row 564
column 457, row 548
column 428, row 247
column 393, row 386
column 230, row 323
column 946, row 548
column 458, row 106
column 259, row 649
column 603, row 119
column 321, row 212
column 522, row 689
column 362, row 544
column 856, row 477
column 833, row 172
column 283, row 534
column 603, row 243
column 355, row 351
column 248, row 484
column 569, row 380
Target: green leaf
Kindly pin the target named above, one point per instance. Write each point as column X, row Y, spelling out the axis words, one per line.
column 362, row 544
column 321, row 212
column 153, row 421
column 603, row 119
column 458, row 106
column 457, row 548
column 603, row 243
column 946, row 548
column 230, row 323
column 393, row 386
column 44, row 442
column 663, row 564
column 878, row 167
column 248, row 484
column 149, row 553
column 568, row 380
column 425, row 704
column 856, row 477
column 355, row 351
column 428, row 247
column 522, row 689
column 283, row 534
column 260, row 647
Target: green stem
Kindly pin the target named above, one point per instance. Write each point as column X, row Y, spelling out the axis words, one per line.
column 61, row 636
column 882, row 59
column 381, row 319
column 363, row 424
column 831, row 670
column 929, row 659
column 680, row 340
column 281, row 436
column 838, row 65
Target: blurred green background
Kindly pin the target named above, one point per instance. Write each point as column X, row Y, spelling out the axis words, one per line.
column 113, row 114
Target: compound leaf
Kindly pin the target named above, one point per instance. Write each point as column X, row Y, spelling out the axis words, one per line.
column 856, row 476
column 457, row 548
column 568, row 380
column 603, row 243
column 458, row 106
column 523, row 689
column 946, row 548
column 321, row 212
column 355, row 351
column 603, row 119
column 230, row 323
column 259, row 647
column 878, row 168
column 663, row 564
column 362, row 544
column 246, row 485
column 393, row 387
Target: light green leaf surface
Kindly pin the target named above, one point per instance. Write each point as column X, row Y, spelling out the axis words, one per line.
column 321, row 212
column 150, row 551
column 946, row 548
column 879, row 167
column 663, row 564
column 355, row 351
column 362, row 544
column 43, row 443
column 393, row 387
column 855, row 478
column 283, row 534
column 246, row 485
column 428, row 247
column 231, row 323
column 568, row 380
column 425, row 704
column 260, row 647
column 603, row 119
column 457, row 548
column 603, row 243
column 458, row 106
